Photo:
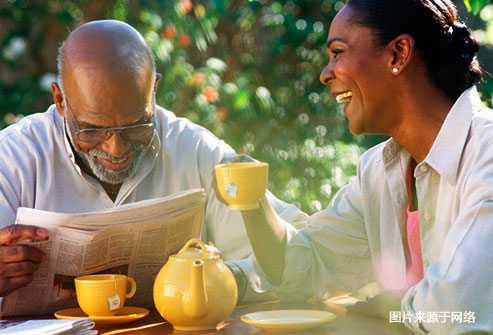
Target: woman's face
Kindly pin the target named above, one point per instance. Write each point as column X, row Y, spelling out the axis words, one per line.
column 358, row 75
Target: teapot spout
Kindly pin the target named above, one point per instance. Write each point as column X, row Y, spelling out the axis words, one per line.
column 195, row 299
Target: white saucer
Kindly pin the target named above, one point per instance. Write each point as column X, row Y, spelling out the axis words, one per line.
column 127, row 314
column 288, row 320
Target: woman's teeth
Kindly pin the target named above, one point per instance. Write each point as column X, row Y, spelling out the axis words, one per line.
column 344, row 97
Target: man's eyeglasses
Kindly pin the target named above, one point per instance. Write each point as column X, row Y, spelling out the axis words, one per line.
column 135, row 132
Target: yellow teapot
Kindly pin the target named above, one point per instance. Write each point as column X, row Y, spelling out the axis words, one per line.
column 195, row 290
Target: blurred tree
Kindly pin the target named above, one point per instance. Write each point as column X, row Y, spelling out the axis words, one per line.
column 475, row 5
column 246, row 70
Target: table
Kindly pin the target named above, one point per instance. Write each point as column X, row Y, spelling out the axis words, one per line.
column 347, row 323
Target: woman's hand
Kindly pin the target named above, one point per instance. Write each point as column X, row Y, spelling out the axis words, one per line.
column 241, row 158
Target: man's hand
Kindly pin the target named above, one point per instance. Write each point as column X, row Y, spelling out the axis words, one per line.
column 229, row 160
column 19, row 262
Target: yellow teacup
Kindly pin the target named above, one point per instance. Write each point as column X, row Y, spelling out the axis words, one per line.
column 103, row 295
column 242, row 184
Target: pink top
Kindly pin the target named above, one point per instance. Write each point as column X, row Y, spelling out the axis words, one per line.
column 414, row 259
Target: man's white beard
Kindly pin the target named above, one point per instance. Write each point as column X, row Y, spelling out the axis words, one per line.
column 90, row 159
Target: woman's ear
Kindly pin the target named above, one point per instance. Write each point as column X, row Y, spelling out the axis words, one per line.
column 402, row 48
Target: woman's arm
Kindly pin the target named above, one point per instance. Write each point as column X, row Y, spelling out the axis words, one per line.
column 267, row 235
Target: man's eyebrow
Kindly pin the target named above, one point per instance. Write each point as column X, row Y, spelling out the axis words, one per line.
column 85, row 125
column 335, row 39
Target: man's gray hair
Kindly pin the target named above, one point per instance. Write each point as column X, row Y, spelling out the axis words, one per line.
column 60, row 65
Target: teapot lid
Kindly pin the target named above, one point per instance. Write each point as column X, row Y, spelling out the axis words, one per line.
column 196, row 249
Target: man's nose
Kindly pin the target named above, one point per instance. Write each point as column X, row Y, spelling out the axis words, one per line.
column 327, row 75
column 116, row 145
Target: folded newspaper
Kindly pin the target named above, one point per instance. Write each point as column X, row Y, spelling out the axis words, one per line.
column 133, row 239
column 47, row 327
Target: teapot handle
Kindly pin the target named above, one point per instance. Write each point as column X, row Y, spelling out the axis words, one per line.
column 189, row 244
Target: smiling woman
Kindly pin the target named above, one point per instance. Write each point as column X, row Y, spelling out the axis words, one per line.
column 377, row 55
column 416, row 219
column 357, row 74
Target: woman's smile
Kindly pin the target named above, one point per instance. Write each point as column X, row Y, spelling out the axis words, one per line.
column 344, row 97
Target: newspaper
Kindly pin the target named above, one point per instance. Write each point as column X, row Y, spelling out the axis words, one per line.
column 47, row 327
column 134, row 239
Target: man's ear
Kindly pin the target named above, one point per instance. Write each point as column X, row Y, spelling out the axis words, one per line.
column 58, row 98
column 402, row 48
column 156, row 81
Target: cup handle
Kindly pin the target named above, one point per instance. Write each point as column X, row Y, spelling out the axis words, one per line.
column 133, row 289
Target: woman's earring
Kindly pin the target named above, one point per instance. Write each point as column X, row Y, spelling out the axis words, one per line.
column 395, row 70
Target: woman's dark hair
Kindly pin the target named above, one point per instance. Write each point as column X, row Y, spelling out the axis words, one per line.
column 444, row 43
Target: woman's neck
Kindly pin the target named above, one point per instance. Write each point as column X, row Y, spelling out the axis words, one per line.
column 423, row 114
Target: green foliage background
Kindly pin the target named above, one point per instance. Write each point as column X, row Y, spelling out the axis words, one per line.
column 246, row 70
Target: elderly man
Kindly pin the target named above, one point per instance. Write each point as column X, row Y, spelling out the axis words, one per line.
column 105, row 143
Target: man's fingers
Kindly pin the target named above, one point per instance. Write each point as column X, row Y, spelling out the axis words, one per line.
column 18, row 253
column 17, row 232
column 19, row 262
column 18, row 269
column 10, row 284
